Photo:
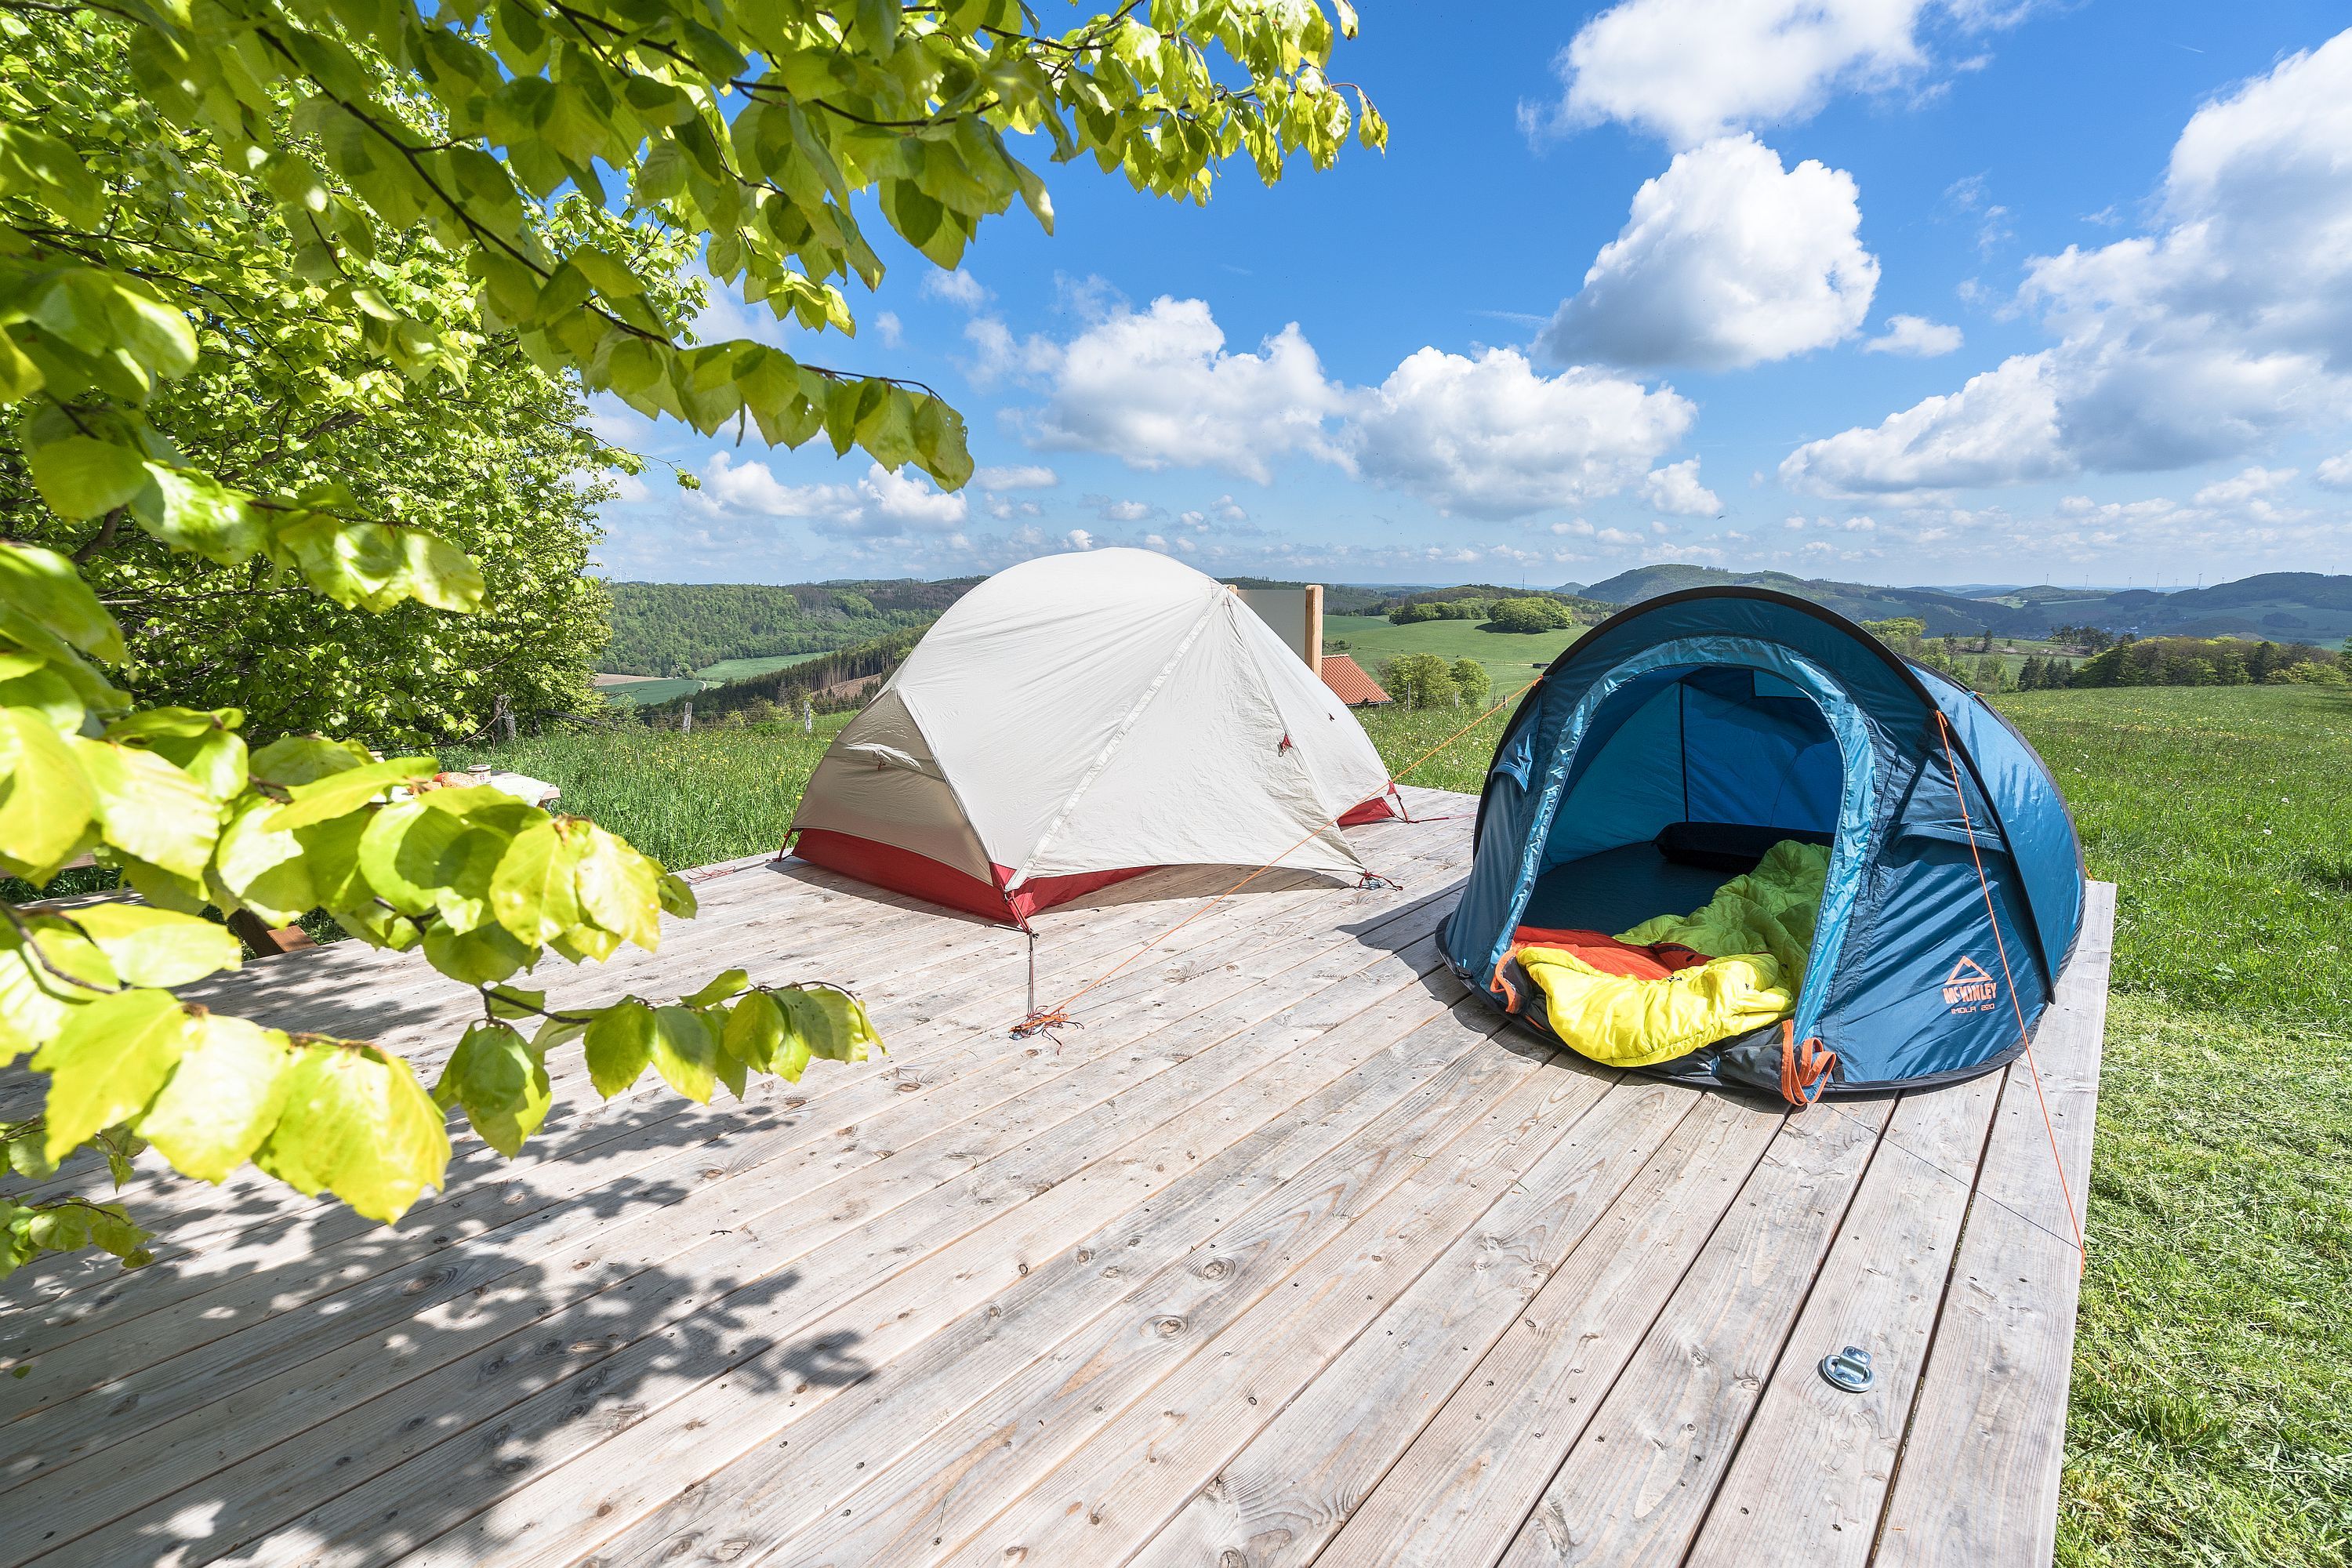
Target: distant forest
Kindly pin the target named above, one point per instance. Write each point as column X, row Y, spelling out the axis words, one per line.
column 829, row 684
column 677, row 628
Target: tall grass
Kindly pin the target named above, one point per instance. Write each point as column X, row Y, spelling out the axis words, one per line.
column 713, row 795
column 2211, row 1416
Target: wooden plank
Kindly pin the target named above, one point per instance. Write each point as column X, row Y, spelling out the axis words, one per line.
column 1283, row 1494
column 1311, row 1256
column 1635, row 1485
column 1461, row 1489
column 696, row 1310
column 1978, row 1478
column 885, row 1112
column 966, row 1466
column 156, row 1286
column 1810, row 1475
column 825, row 920
column 932, row 1343
column 893, row 1121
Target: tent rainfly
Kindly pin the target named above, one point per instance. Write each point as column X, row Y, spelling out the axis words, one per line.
column 1680, row 739
column 1083, row 718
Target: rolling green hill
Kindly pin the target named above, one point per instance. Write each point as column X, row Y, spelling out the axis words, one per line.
column 1944, row 613
column 2283, row 607
column 680, row 628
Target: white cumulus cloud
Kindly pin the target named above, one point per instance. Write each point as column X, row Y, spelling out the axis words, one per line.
column 1675, row 488
column 1487, row 437
column 1157, row 389
column 883, row 504
column 1491, row 437
column 2250, row 484
column 1727, row 259
column 2335, row 472
column 957, row 287
column 1019, row 477
column 1999, row 428
column 2228, row 325
column 1686, row 71
column 1916, row 337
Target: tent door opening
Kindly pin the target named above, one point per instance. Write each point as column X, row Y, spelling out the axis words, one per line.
column 1677, row 772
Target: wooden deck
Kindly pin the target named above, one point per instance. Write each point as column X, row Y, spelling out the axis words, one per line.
column 1289, row 1255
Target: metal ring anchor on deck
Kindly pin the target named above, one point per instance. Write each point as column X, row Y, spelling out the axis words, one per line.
column 1850, row 1370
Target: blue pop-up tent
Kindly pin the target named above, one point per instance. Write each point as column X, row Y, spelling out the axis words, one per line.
column 1673, row 743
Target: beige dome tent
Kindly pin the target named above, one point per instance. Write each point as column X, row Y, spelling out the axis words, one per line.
column 1082, row 718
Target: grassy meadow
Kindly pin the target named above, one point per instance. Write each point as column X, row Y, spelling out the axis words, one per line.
column 2212, row 1415
column 1512, row 658
column 711, row 795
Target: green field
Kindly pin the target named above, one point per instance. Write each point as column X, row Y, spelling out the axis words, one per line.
column 647, row 692
column 728, row 669
column 1512, row 658
column 2211, row 1413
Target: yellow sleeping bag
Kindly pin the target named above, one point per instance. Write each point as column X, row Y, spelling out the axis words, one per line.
column 1758, row 929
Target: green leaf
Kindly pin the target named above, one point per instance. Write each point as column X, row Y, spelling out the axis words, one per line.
column 515, row 1002
column 348, row 790
column 531, row 893
column 155, row 947
column 833, row 1022
column 108, row 1062
column 204, row 745
column 35, row 1002
column 297, row 759
column 500, row 1079
column 191, row 510
column 755, row 1032
column 686, row 1052
column 46, row 799
column 150, row 808
column 48, row 590
column 263, row 870
column 727, row 1069
column 222, row 1100
column 482, row 956
column 408, row 853
column 81, row 476
column 357, row 1123
column 617, row 889
column 727, row 984
column 676, row 896
column 619, row 1044
column 436, row 573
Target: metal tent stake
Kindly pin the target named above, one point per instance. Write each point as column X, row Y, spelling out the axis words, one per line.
column 1033, row 976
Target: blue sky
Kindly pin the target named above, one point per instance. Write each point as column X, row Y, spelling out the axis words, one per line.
column 1895, row 291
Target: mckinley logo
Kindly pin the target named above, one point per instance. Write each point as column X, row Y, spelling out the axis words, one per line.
column 1969, row 989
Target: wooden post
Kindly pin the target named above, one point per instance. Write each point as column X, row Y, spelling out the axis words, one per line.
column 1315, row 628
column 505, row 717
column 686, row 720
column 247, row 927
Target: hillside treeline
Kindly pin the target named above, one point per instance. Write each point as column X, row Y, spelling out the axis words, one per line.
column 828, row 685
column 2208, row 661
column 677, row 628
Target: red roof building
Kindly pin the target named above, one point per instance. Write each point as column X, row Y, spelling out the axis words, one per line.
column 1350, row 684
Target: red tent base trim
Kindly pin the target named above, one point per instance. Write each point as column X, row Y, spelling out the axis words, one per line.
column 920, row 877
